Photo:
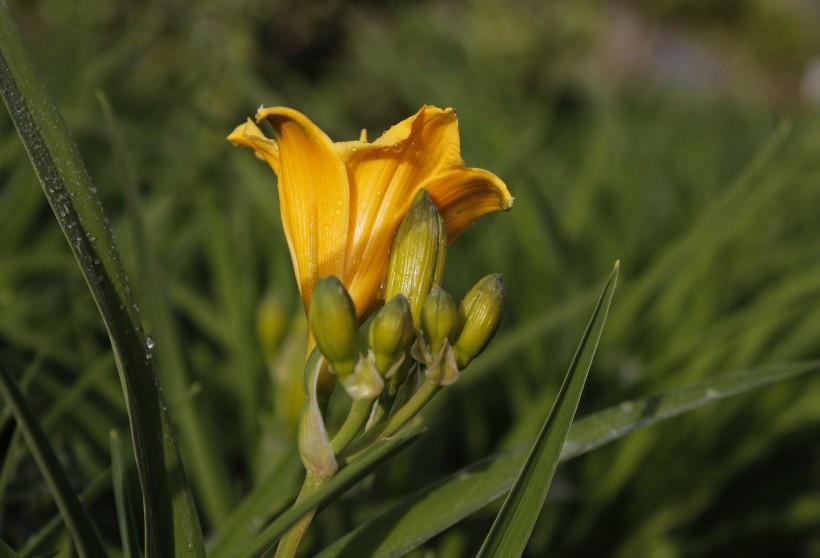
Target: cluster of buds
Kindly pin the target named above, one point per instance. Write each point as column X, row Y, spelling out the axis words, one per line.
column 419, row 341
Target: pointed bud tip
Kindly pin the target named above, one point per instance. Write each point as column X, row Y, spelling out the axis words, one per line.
column 480, row 314
column 439, row 317
column 422, row 196
column 391, row 332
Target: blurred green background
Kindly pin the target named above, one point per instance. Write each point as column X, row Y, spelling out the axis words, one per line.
column 679, row 136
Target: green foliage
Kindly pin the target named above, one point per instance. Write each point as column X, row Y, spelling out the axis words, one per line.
column 86, row 539
column 709, row 199
column 171, row 524
column 513, row 526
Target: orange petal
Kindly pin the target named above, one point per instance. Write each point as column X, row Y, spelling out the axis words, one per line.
column 313, row 197
column 464, row 195
column 249, row 135
column 384, row 177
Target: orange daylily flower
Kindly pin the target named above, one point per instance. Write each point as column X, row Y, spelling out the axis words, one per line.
column 342, row 202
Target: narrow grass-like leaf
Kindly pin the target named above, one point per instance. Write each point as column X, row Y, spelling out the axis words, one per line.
column 86, row 539
column 267, row 499
column 207, row 468
column 445, row 503
column 125, row 519
column 9, row 433
column 171, row 523
column 711, row 220
column 523, row 335
column 6, row 551
column 514, row 523
column 36, row 543
column 265, row 543
column 9, row 438
column 610, row 424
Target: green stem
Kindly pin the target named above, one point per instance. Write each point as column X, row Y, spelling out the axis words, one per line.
column 396, row 421
column 398, row 391
column 356, row 417
column 384, row 403
column 411, row 408
column 290, row 541
column 379, row 414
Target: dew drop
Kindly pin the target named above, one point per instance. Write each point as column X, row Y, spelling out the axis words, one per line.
column 149, row 342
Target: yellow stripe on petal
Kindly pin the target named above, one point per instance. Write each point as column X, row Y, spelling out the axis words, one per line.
column 313, row 195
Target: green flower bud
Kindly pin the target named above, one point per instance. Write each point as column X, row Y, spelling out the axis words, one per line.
column 391, row 333
column 479, row 314
column 439, row 318
column 418, row 253
column 332, row 319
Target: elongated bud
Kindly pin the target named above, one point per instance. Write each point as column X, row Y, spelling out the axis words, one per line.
column 332, row 319
column 315, row 448
column 391, row 333
column 479, row 314
column 439, row 318
column 417, row 257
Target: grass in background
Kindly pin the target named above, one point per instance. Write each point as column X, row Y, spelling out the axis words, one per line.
column 710, row 202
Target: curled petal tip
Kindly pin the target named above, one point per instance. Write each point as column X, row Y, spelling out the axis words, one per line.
column 507, row 202
column 276, row 115
column 248, row 134
column 245, row 132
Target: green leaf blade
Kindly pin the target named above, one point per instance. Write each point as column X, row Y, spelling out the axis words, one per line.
column 596, row 430
column 443, row 504
column 85, row 536
column 6, row 551
column 270, row 497
column 171, row 524
column 346, row 478
column 125, row 519
column 208, row 471
column 516, row 520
